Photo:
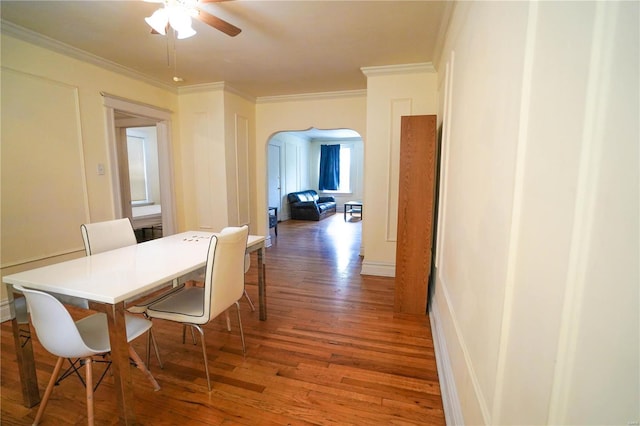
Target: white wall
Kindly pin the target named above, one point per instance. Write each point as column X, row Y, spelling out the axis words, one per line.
column 391, row 93
column 294, row 163
column 67, row 98
column 340, row 110
column 203, row 158
column 536, row 303
column 217, row 129
column 239, row 130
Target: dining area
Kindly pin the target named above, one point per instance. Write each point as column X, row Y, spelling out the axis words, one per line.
column 331, row 351
column 189, row 278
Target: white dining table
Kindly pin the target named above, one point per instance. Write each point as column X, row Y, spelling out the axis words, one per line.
column 108, row 280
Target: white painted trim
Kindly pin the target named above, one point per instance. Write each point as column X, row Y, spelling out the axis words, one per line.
column 378, row 269
column 312, row 96
column 444, row 161
column 162, row 117
column 212, row 87
column 516, row 213
column 600, row 76
column 448, row 391
column 138, row 108
column 470, row 373
column 398, row 69
column 37, row 39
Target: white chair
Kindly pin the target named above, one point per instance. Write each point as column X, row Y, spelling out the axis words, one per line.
column 85, row 338
column 108, row 235
column 99, row 237
column 247, row 265
column 223, row 287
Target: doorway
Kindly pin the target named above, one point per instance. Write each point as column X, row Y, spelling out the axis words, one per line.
column 141, row 200
column 156, row 212
column 293, row 159
column 274, row 172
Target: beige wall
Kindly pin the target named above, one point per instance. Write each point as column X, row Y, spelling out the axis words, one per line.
column 217, row 131
column 391, row 93
column 536, row 303
column 48, row 84
column 203, row 159
column 240, row 129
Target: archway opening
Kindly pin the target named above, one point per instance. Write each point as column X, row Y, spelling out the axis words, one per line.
column 293, row 163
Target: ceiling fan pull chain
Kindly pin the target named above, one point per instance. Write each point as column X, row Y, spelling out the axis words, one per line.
column 176, row 78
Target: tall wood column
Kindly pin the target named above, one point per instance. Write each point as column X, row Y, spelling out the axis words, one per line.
column 416, row 203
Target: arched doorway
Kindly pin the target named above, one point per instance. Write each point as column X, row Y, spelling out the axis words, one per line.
column 293, row 159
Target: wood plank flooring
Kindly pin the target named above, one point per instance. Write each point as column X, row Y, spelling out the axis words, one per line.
column 331, row 352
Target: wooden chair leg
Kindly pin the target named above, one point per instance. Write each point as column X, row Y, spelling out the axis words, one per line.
column 47, row 393
column 89, row 380
column 142, row 367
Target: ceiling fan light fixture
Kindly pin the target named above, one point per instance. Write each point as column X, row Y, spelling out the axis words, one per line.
column 186, row 33
column 180, row 20
column 158, row 21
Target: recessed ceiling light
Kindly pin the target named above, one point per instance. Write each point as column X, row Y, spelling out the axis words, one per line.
column 178, row 79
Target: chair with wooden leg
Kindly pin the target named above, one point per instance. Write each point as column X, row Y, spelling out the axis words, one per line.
column 99, row 237
column 63, row 337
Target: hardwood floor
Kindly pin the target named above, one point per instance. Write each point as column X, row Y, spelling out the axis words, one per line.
column 331, row 352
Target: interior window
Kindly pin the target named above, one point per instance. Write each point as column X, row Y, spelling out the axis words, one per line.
column 345, row 170
column 137, row 169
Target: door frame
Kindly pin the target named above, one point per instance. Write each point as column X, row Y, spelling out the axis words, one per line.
column 279, row 160
column 162, row 119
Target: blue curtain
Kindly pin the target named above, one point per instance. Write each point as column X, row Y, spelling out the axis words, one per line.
column 329, row 167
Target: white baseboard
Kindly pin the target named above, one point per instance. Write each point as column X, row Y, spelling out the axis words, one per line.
column 450, row 401
column 378, row 269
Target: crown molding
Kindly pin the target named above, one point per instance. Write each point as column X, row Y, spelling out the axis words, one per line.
column 426, row 67
column 37, row 39
column 312, row 96
column 201, row 88
column 212, row 87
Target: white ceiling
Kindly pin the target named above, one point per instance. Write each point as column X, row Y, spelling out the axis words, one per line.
column 285, row 47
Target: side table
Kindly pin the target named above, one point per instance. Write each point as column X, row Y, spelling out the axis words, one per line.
column 352, row 207
column 273, row 219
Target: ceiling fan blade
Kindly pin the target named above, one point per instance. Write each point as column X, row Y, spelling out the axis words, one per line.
column 218, row 23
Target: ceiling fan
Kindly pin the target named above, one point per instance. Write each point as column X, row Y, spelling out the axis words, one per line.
column 178, row 15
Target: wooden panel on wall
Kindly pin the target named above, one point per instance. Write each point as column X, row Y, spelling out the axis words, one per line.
column 44, row 196
column 415, row 212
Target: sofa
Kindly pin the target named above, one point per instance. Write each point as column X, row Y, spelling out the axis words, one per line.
column 307, row 205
